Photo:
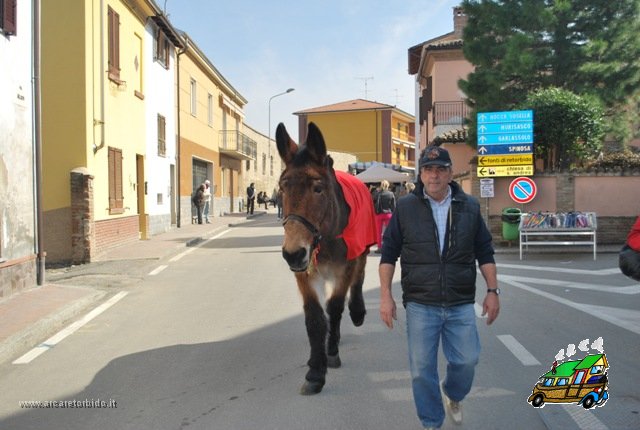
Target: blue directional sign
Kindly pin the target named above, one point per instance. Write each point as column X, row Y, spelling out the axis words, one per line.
column 508, row 116
column 500, row 128
column 505, row 127
column 505, row 138
column 505, row 149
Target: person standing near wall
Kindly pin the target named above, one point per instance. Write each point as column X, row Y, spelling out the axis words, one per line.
column 251, row 198
column 207, row 200
column 198, row 201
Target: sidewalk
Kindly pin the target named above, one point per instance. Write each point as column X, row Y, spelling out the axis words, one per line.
column 33, row 315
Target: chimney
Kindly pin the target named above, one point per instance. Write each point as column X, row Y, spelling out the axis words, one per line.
column 459, row 21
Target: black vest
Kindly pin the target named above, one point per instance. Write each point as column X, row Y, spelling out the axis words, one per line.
column 428, row 277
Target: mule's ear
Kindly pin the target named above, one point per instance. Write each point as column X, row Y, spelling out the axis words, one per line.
column 287, row 148
column 315, row 145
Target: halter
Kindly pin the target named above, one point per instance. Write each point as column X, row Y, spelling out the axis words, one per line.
column 317, row 236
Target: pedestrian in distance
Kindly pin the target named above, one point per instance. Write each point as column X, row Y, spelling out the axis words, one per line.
column 251, row 198
column 198, row 201
column 438, row 233
column 384, row 205
column 279, row 203
column 207, row 200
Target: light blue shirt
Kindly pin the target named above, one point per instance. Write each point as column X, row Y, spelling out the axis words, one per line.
column 440, row 212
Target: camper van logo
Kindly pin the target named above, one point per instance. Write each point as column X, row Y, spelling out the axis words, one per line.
column 582, row 381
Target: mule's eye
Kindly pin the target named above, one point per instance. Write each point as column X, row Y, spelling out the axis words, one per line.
column 318, row 189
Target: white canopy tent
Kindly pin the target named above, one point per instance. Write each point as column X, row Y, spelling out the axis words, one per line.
column 378, row 173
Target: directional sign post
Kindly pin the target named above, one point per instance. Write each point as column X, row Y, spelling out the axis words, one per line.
column 522, row 190
column 505, row 143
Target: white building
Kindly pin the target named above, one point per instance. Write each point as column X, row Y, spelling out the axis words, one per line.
column 18, row 249
column 160, row 57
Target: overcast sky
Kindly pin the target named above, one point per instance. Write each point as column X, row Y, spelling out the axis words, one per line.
column 323, row 48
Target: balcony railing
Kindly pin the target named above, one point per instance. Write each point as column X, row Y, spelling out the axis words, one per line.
column 237, row 145
column 450, row 113
column 403, row 136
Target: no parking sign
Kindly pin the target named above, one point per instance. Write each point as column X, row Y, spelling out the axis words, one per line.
column 522, row 190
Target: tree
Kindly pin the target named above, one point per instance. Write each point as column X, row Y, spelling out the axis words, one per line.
column 568, row 128
column 588, row 47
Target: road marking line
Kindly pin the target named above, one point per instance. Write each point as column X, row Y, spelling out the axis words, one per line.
column 58, row 337
column 182, row 254
column 630, row 289
column 585, row 419
column 601, row 272
column 158, row 270
column 520, row 352
column 631, row 320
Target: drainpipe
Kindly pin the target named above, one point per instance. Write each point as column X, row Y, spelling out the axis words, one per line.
column 180, row 52
column 37, row 137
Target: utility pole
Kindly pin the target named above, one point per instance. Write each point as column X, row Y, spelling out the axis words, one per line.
column 365, row 79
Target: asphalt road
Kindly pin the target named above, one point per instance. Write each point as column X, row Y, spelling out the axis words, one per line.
column 214, row 339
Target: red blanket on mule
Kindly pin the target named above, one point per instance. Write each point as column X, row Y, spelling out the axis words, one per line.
column 360, row 232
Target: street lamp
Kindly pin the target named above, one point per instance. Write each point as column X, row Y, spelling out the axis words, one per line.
column 269, row 129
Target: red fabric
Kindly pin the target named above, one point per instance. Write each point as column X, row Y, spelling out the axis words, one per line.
column 360, row 232
column 382, row 221
column 633, row 239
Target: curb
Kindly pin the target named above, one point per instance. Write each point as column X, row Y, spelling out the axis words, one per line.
column 47, row 326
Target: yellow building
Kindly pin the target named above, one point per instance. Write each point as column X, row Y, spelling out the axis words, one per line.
column 371, row 131
column 212, row 142
column 93, row 124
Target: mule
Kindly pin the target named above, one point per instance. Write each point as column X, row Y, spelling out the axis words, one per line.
column 329, row 226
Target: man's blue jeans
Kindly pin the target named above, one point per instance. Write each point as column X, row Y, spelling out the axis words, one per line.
column 456, row 326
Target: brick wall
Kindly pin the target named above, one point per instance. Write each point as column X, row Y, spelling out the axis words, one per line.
column 116, row 232
column 82, row 231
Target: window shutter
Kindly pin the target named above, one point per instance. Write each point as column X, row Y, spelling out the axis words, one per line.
column 114, row 43
column 116, row 198
column 10, row 17
column 162, row 149
column 429, row 93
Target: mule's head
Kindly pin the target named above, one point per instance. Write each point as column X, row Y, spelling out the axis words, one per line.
column 309, row 200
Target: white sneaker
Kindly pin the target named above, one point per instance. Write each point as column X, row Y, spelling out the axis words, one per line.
column 454, row 409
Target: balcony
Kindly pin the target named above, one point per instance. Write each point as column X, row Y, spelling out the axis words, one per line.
column 237, row 145
column 450, row 113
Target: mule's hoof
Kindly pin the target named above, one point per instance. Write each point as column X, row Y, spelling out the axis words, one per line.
column 310, row 388
column 333, row 361
column 357, row 318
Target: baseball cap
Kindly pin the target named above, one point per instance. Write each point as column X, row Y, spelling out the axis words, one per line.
column 435, row 156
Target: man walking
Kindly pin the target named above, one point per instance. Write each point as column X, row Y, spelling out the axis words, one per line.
column 251, row 198
column 438, row 233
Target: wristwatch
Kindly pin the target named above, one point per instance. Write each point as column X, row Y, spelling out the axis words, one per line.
column 493, row 290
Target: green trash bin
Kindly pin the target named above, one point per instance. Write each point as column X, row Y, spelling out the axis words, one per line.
column 510, row 223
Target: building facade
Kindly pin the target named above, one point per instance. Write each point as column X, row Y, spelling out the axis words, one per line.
column 18, row 245
column 371, row 131
column 438, row 64
column 212, row 143
column 95, row 115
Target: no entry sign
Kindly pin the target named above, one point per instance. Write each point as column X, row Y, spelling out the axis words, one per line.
column 522, row 190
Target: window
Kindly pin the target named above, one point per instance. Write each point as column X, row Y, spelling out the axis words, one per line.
column 562, row 381
column 9, row 17
column 193, row 97
column 271, row 165
column 114, row 45
column 264, row 164
column 137, row 63
column 162, row 49
column 162, row 128
column 210, row 110
column 596, row 369
column 248, row 165
column 115, row 181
